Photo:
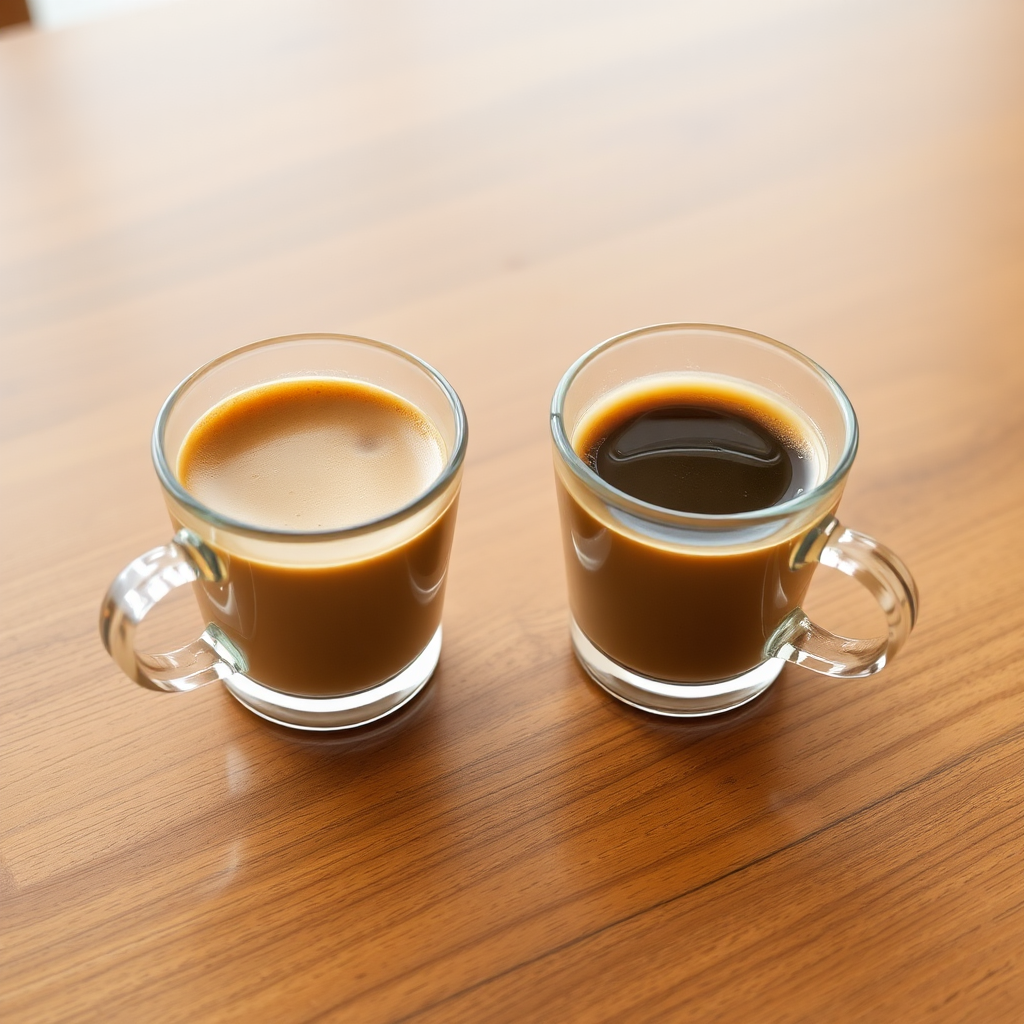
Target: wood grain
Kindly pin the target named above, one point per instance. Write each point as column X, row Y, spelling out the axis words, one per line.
column 498, row 187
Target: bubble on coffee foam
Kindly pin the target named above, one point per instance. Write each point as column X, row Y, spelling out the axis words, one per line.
column 365, row 475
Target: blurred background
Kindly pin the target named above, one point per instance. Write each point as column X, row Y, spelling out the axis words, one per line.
column 57, row 13
column 449, row 175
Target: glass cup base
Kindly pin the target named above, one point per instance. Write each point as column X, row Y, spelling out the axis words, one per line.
column 676, row 700
column 319, row 714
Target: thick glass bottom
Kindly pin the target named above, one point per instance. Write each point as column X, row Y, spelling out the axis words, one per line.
column 347, row 712
column 677, row 700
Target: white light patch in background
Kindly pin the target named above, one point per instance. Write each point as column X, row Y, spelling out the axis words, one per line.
column 61, row 13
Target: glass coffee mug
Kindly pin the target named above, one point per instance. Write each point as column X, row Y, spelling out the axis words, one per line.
column 311, row 628
column 692, row 613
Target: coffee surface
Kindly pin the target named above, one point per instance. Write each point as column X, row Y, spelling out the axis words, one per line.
column 699, row 448
column 311, row 454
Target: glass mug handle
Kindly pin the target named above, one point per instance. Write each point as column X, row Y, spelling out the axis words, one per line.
column 805, row 643
column 137, row 589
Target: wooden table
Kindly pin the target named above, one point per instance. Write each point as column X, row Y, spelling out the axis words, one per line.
column 498, row 187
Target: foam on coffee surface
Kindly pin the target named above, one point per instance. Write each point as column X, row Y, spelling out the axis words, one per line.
column 311, row 454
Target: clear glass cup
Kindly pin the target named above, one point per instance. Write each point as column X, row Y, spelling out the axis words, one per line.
column 688, row 614
column 312, row 629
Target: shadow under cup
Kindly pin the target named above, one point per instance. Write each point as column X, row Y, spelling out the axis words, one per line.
column 686, row 614
column 311, row 629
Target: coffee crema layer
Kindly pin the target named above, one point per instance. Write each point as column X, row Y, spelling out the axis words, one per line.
column 310, row 455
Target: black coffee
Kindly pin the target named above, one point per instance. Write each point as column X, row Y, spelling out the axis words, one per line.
column 681, row 453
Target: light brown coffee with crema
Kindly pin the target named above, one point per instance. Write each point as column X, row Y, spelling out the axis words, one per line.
column 672, row 611
column 311, row 456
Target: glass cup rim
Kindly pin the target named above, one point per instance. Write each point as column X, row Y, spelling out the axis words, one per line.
column 172, row 485
column 647, row 510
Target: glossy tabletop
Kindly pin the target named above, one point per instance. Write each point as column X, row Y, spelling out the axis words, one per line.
column 497, row 187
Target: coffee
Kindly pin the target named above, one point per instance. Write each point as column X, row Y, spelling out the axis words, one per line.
column 686, row 612
column 697, row 451
column 314, row 455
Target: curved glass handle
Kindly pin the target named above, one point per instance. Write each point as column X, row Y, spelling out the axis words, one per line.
column 803, row 642
column 137, row 589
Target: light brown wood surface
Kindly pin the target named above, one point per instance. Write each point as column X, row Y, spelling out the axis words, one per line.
column 498, row 187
